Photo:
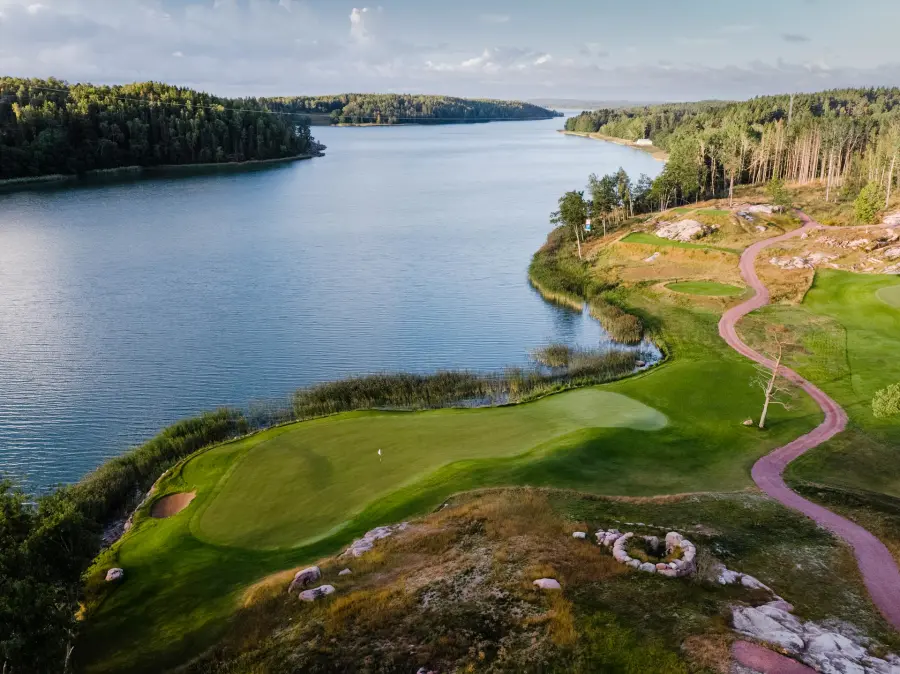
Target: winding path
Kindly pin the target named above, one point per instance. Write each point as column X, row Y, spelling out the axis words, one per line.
column 877, row 566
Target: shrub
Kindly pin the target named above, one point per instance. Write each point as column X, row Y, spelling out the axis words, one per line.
column 869, row 203
column 778, row 193
column 886, row 402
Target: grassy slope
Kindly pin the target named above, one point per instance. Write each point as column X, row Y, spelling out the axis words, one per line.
column 180, row 591
column 652, row 239
column 292, row 488
column 849, row 337
column 705, row 288
column 474, row 562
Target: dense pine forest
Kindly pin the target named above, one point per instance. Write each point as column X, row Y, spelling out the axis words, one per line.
column 848, row 139
column 52, row 127
column 407, row 109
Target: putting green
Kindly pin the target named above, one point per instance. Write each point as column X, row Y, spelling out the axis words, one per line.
column 705, row 288
column 890, row 295
column 304, row 483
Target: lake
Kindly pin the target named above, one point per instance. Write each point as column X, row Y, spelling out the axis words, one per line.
column 126, row 306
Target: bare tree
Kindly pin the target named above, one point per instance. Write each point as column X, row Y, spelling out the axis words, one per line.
column 776, row 389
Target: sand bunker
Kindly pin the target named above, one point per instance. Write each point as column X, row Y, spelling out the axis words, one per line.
column 171, row 504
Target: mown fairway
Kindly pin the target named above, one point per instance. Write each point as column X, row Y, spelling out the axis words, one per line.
column 705, row 288
column 301, row 484
column 890, row 296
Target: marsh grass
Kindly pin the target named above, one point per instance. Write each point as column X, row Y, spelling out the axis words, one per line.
column 622, row 327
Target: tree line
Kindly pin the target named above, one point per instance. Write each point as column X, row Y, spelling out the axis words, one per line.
column 407, row 108
column 847, row 139
column 53, row 127
column 611, row 199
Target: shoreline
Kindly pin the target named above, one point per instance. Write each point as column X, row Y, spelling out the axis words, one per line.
column 657, row 153
column 60, row 179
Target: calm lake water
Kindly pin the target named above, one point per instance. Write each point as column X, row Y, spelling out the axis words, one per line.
column 124, row 307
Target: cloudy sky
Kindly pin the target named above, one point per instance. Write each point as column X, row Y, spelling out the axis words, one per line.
column 597, row 49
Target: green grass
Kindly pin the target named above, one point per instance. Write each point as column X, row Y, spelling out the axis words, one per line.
column 294, row 485
column 705, row 288
column 181, row 588
column 849, row 338
column 890, row 296
column 653, row 240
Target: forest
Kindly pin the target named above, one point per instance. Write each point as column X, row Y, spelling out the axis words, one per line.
column 407, row 109
column 848, row 139
column 52, row 127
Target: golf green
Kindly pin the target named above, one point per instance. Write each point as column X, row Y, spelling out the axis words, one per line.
column 304, row 483
column 705, row 288
column 890, row 295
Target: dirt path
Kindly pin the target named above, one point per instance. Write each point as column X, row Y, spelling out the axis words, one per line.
column 878, row 569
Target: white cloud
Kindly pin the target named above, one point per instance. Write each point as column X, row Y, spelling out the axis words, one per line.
column 542, row 59
column 177, row 54
column 495, row 18
column 358, row 24
column 35, row 8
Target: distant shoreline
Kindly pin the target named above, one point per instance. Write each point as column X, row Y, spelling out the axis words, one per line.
column 655, row 152
column 57, row 179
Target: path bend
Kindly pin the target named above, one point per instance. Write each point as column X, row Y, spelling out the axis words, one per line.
column 877, row 566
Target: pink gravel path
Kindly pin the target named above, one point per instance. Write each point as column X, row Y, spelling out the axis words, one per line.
column 877, row 566
column 768, row 662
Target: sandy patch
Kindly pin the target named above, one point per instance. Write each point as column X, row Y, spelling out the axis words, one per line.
column 171, row 504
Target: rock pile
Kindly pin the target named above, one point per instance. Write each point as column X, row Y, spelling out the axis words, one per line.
column 684, row 230
column 364, row 544
column 831, row 651
column 675, row 544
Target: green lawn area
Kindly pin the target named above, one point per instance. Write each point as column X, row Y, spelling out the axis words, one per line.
column 849, row 337
column 300, row 484
column 258, row 496
column 653, row 240
column 705, row 288
column 890, row 296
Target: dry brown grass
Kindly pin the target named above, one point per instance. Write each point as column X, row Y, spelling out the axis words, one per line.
column 709, row 652
column 628, row 260
column 786, row 286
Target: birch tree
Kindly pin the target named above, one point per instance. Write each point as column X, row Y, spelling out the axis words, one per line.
column 776, row 389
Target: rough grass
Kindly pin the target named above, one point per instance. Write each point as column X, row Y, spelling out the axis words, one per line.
column 705, row 288
column 454, row 592
column 653, row 240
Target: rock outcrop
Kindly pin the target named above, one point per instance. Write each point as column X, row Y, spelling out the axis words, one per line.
column 362, row 545
column 840, row 650
column 114, row 575
column 684, row 230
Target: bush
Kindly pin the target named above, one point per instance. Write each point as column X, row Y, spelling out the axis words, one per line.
column 779, row 194
column 886, row 402
column 869, row 203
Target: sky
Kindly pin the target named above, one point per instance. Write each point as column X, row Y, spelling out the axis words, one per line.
column 645, row 50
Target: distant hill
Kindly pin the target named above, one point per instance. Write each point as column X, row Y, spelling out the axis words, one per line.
column 587, row 104
column 405, row 109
